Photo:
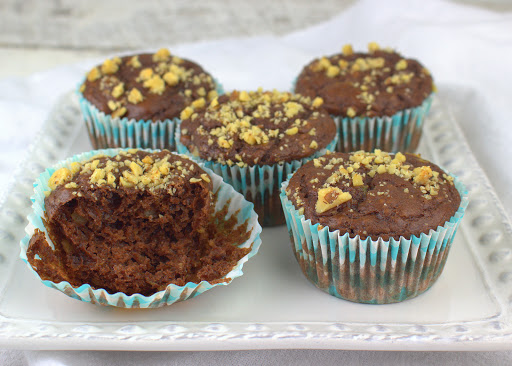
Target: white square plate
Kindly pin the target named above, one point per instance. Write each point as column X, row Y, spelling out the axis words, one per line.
column 272, row 305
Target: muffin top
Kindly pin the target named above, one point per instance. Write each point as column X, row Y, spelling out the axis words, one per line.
column 356, row 84
column 147, row 86
column 256, row 128
column 374, row 194
column 130, row 169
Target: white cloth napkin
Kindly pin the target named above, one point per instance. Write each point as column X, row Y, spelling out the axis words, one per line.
column 467, row 49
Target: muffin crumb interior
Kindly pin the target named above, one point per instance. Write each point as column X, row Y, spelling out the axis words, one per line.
column 135, row 223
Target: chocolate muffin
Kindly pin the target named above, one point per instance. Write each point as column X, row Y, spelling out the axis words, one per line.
column 364, row 86
column 134, row 223
column 374, row 194
column 253, row 137
column 141, row 88
column 383, row 208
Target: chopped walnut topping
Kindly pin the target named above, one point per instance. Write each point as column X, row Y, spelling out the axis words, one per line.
column 162, row 54
column 205, row 177
column 186, row 113
column 343, row 64
column 74, row 167
column 111, row 179
column 237, row 119
column 329, row 198
column 401, row 65
column 244, row 96
column 252, row 136
column 399, row 79
column 198, row 103
column 347, row 50
column 134, row 62
column 292, row 131
column 97, row 177
column 379, row 162
column 370, row 74
column 155, row 84
column 422, row 174
column 113, row 105
column 415, row 191
column 94, row 74
column 171, row 78
column 59, row 177
column 119, row 112
column 373, row 46
column 357, row 180
column 214, row 103
column 224, row 143
column 146, row 74
column 127, row 170
column 212, row 94
column 71, row 185
column 136, row 168
column 333, row 71
column 156, row 73
column 351, row 112
column 118, row 90
column 375, row 63
column 400, row 157
column 317, row 102
column 322, row 64
column 135, row 96
column 110, row 66
column 291, row 109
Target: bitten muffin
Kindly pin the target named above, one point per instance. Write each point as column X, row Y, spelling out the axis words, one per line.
column 377, row 84
column 383, row 207
column 271, row 132
column 134, row 223
column 145, row 87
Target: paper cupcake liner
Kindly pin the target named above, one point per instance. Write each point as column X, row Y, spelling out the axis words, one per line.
column 399, row 132
column 226, row 195
column 365, row 270
column 106, row 131
column 260, row 183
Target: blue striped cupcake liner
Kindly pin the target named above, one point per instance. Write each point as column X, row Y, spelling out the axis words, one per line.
column 259, row 183
column 399, row 132
column 226, row 196
column 106, row 131
column 365, row 270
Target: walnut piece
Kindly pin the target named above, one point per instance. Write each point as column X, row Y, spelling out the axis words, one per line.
column 59, row 177
column 329, row 198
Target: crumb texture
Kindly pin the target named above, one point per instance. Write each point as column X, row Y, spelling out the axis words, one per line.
column 154, row 229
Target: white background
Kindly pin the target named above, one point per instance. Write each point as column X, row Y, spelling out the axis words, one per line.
column 467, row 48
